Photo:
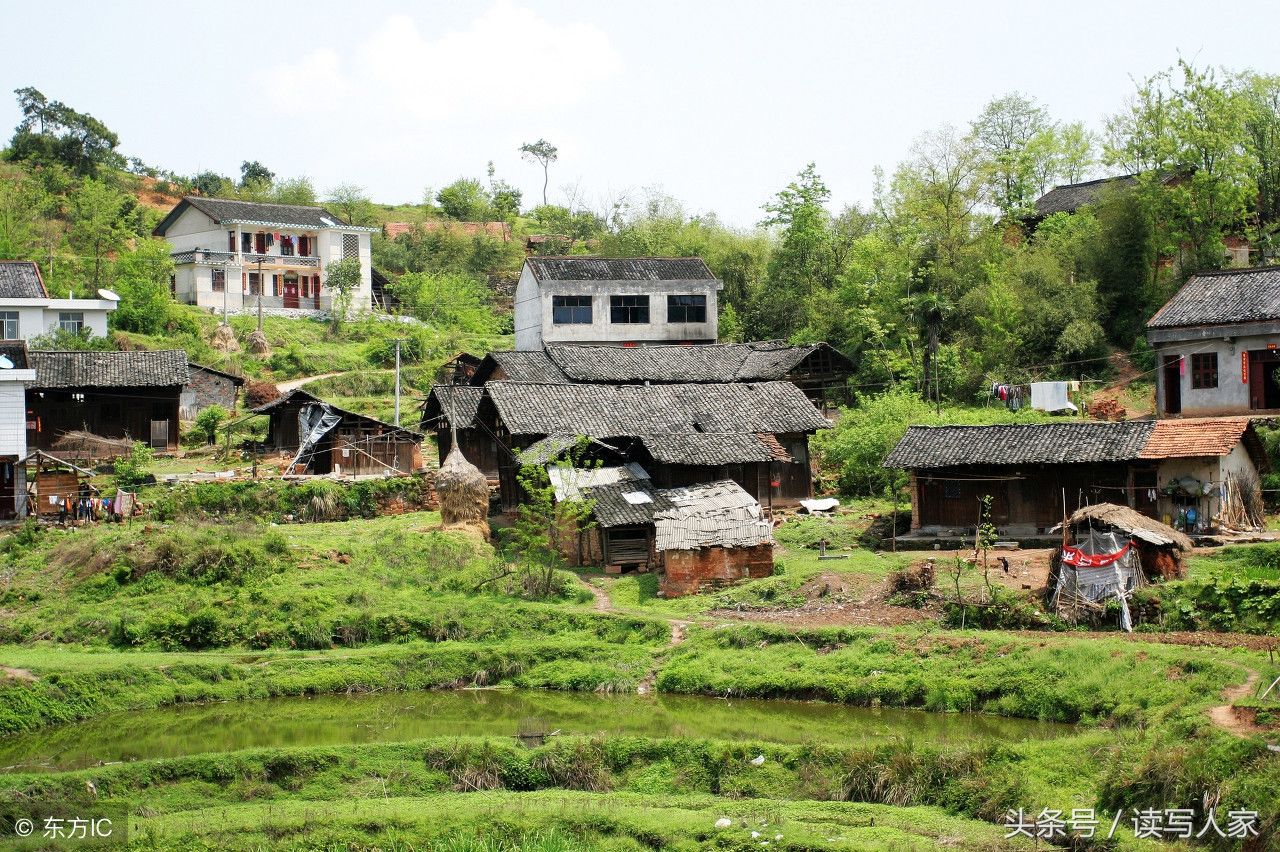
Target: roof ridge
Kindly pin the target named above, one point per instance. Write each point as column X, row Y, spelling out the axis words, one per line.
column 1237, row 270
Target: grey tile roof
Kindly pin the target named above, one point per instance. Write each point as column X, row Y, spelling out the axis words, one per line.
column 1075, row 442
column 612, row 509
column 694, row 448
column 519, row 367
column 162, row 368
column 605, row 411
column 222, row 210
column 1070, row 197
column 457, row 402
column 235, row 380
column 1229, row 296
column 715, row 514
column 619, row 269
column 20, row 279
column 16, row 352
column 714, row 362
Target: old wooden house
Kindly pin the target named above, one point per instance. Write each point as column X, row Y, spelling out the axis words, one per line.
column 755, row 434
column 450, row 410
column 114, row 395
column 1159, row 468
column 322, row 439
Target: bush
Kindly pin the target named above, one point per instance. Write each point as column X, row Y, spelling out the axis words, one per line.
column 258, row 393
column 132, row 470
column 208, row 421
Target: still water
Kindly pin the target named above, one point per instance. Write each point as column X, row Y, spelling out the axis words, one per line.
column 394, row 717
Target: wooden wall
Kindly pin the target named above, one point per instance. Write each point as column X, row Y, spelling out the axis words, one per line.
column 1021, row 495
column 122, row 413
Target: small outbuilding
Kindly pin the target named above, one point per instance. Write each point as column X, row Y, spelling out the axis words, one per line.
column 208, row 386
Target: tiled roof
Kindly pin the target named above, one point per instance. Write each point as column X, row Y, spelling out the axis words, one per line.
column 301, row 398
column 570, row 483
column 163, row 368
column 714, row 362
column 694, row 448
column 16, row 352
column 1203, row 436
column 604, row 411
column 619, row 269
column 612, row 508
column 235, row 380
column 1229, row 296
column 715, row 514
column 225, row 210
column 1070, row 197
column 20, row 279
column 458, row 403
column 519, row 367
column 1075, row 442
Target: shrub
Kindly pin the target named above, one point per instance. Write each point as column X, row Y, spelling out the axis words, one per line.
column 258, row 393
column 132, row 470
column 208, row 421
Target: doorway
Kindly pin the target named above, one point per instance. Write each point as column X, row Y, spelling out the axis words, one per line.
column 1173, row 384
column 1264, row 393
column 290, row 290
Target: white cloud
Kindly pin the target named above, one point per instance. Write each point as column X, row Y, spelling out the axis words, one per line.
column 508, row 60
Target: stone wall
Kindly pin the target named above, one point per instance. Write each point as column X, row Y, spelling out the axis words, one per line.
column 684, row 572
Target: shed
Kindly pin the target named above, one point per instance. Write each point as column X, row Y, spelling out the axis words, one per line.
column 1160, row 547
column 209, row 386
column 450, row 410
column 325, row 439
column 54, row 485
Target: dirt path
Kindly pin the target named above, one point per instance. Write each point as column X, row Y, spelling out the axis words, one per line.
column 1224, row 715
column 603, row 604
column 294, row 384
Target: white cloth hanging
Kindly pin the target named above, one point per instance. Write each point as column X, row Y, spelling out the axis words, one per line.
column 1050, row 396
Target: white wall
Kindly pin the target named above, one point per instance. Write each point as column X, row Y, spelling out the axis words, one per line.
column 528, row 313
column 13, row 412
column 40, row 316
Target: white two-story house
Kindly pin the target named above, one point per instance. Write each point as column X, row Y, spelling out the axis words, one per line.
column 27, row 309
column 228, row 254
column 620, row 301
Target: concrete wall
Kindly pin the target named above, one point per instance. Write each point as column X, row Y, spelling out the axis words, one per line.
column 533, row 312
column 1231, row 396
column 1210, row 471
column 13, row 412
column 684, row 572
column 40, row 316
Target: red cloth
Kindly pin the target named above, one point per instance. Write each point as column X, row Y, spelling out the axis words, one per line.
column 1077, row 558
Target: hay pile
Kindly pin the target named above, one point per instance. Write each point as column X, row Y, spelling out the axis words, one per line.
column 463, row 492
column 257, row 343
column 224, row 339
column 86, row 446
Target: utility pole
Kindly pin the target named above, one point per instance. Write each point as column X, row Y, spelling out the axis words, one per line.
column 397, row 381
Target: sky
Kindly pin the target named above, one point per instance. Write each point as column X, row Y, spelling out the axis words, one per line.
column 717, row 104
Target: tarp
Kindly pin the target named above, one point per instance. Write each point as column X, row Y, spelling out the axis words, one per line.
column 315, row 420
column 1076, row 557
column 1108, row 568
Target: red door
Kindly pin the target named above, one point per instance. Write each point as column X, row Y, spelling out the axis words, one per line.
column 315, row 289
column 290, row 291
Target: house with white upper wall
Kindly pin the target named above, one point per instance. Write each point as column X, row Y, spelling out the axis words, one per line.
column 228, row 255
column 617, row 301
column 27, row 309
column 15, row 374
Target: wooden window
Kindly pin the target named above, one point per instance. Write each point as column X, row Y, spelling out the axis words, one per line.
column 1204, row 370
column 231, row 240
column 952, row 490
column 686, row 308
column 629, row 309
column 571, row 310
column 246, row 242
column 286, row 246
column 219, row 280
column 260, row 243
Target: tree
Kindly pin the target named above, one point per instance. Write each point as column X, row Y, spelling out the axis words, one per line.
column 142, row 282
column 503, row 197
column 208, row 422
column 342, row 277
column 352, row 204
column 1017, row 144
column 97, row 225
column 210, row 184
column 132, row 470
column 447, row 300
column 544, row 154
column 53, row 133
column 298, row 190
column 24, row 208
column 253, row 172
column 465, row 200
column 1260, row 96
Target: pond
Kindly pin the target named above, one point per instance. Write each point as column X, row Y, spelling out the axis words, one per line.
column 398, row 716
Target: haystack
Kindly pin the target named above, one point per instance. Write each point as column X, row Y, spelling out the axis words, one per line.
column 224, row 339
column 463, row 492
column 257, row 343
column 86, row 446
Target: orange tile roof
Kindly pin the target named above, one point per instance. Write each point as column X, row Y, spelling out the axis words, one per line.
column 1203, row 436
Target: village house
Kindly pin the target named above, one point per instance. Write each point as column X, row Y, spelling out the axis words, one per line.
column 629, row 301
column 113, row 395
column 452, row 409
column 322, row 439
column 15, row 374
column 228, row 254
column 1216, row 343
column 209, row 386
column 1163, row 469
column 27, row 310
column 684, row 434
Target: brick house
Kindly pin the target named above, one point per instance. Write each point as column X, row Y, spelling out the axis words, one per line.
column 209, row 386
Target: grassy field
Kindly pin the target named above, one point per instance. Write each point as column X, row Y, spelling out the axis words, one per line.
column 217, row 606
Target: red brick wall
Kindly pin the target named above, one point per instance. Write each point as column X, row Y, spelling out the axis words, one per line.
column 687, row 571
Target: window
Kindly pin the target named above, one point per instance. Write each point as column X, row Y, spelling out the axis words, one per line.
column 1204, row 370
column 9, row 323
column 629, row 309
column 571, row 310
column 231, row 240
column 260, row 243
column 304, row 246
column 286, row 246
column 350, row 246
column 219, row 280
column 246, row 242
column 71, row 321
column 255, row 289
column 686, row 309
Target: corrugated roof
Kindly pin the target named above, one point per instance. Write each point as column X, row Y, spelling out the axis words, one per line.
column 225, row 210
column 619, row 268
column 715, row 514
column 20, row 279
column 162, row 368
column 1229, row 296
column 570, row 482
column 1074, row 442
column 765, row 360
column 605, row 411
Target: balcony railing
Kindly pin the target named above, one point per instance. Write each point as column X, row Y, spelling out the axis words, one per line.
column 224, row 258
